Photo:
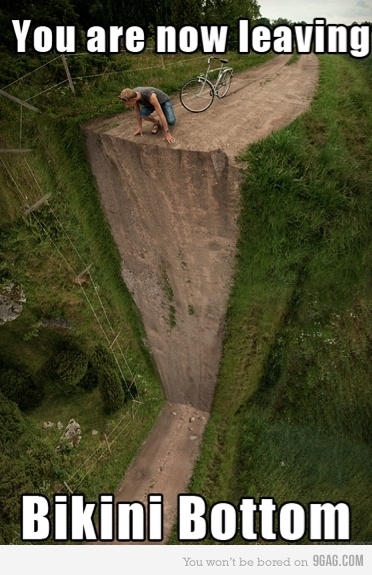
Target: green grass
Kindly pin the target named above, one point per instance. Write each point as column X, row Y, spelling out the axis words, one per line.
column 293, row 409
column 293, row 59
column 46, row 250
column 99, row 79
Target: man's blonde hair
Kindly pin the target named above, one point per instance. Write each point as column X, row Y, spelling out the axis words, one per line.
column 127, row 94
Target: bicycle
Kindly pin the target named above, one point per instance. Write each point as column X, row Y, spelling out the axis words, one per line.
column 197, row 94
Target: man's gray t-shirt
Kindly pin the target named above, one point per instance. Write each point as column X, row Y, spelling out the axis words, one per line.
column 146, row 93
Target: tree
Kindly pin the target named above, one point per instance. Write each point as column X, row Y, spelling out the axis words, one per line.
column 41, row 13
column 21, row 388
column 263, row 22
column 281, row 22
column 116, row 12
column 186, row 13
column 230, row 11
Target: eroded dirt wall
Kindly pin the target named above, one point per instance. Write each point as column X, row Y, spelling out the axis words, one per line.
column 173, row 211
column 173, row 216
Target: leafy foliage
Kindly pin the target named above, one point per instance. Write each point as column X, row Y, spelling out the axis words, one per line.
column 42, row 13
column 90, row 379
column 186, row 13
column 71, row 366
column 68, row 368
column 109, row 382
column 25, row 462
column 20, row 387
column 11, row 422
column 229, row 11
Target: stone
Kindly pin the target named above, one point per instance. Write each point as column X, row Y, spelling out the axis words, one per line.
column 11, row 299
column 47, row 424
column 72, row 433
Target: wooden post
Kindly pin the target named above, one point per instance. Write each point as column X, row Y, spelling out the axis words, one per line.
column 79, row 278
column 21, row 102
column 68, row 487
column 108, row 443
column 68, row 73
column 37, row 204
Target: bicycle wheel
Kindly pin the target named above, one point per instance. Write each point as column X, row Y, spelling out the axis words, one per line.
column 197, row 94
column 224, row 84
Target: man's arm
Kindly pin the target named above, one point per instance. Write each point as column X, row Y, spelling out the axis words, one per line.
column 136, row 109
column 155, row 102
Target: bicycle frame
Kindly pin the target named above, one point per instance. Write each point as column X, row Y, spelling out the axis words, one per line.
column 197, row 93
column 221, row 70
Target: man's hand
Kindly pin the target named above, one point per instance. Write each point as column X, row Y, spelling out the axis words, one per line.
column 169, row 138
column 138, row 132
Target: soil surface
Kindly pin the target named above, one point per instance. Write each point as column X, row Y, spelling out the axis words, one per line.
column 173, row 212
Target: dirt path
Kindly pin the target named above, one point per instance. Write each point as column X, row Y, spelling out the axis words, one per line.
column 173, row 213
column 260, row 101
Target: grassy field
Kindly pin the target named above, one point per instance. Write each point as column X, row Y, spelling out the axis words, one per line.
column 292, row 416
column 46, row 250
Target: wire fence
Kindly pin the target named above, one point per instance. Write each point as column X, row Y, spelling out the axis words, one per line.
column 105, row 448
column 78, row 78
column 161, row 65
column 96, row 305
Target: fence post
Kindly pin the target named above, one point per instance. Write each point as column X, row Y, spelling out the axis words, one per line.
column 68, row 73
column 37, row 205
column 21, row 102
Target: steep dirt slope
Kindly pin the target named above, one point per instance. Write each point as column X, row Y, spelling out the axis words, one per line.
column 173, row 213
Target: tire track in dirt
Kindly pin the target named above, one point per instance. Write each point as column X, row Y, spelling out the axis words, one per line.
column 173, row 214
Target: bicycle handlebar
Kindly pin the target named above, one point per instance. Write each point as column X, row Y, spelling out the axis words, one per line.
column 215, row 58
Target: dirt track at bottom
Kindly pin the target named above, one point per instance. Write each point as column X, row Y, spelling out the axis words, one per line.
column 173, row 213
column 167, row 460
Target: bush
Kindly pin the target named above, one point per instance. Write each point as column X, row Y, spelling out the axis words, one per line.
column 25, row 464
column 102, row 358
column 90, row 379
column 11, row 423
column 111, row 390
column 109, row 382
column 68, row 368
column 21, row 388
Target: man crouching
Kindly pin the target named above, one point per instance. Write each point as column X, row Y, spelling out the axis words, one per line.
column 147, row 100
